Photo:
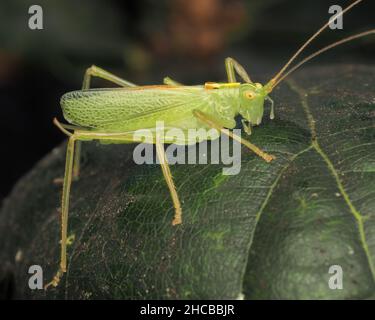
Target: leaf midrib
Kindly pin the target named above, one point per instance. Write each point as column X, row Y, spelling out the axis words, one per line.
column 315, row 145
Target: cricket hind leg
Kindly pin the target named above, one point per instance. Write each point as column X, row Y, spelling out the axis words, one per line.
column 65, row 210
column 232, row 66
column 95, row 71
column 205, row 118
column 118, row 137
column 67, row 182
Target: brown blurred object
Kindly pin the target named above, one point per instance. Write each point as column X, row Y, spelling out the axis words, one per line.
column 9, row 64
column 199, row 28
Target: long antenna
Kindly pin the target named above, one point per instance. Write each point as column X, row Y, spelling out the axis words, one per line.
column 331, row 46
column 279, row 74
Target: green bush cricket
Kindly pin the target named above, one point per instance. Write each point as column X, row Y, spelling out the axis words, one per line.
column 113, row 115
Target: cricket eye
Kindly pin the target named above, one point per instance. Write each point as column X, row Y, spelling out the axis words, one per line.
column 249, row 95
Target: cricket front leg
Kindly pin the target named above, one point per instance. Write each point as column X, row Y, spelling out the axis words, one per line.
column 169, row 179
column 205, row 118
column 65, row 211
column 231, row 66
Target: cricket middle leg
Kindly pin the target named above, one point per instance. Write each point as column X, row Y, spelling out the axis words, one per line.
column 169, row 179
column 171, row 82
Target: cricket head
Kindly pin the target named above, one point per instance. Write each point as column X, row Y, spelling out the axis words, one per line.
column 252, row 97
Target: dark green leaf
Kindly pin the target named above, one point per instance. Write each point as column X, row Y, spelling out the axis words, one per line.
column 273, row 231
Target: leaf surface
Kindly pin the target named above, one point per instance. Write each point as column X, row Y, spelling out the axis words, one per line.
column 271, row 232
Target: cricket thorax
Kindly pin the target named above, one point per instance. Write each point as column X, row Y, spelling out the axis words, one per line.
column 224, row 102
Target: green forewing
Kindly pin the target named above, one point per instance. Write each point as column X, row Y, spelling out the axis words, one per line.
column 127, row 109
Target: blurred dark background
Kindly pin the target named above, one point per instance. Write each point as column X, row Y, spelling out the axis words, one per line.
column 143, row 41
